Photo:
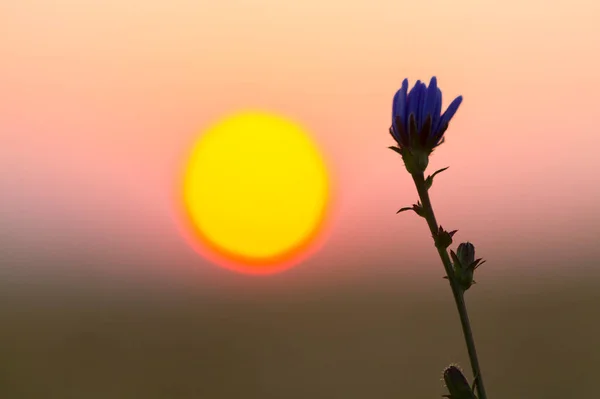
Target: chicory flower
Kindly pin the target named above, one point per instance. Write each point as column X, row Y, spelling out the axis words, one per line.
column 418, row 126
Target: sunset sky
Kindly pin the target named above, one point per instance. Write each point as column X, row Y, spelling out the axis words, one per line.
column 100, row 102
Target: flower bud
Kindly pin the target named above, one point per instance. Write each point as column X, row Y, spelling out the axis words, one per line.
column 457, row 384
column 465, row 264
column 466, row 253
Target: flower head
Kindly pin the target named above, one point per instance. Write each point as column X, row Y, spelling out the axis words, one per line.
column 418, row 126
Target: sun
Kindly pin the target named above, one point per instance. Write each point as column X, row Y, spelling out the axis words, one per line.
column 256, row 193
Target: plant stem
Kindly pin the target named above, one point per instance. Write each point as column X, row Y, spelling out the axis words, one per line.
column 419, row 180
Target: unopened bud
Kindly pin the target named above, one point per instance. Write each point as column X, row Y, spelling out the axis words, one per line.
column 466, row 253
column 465, row 264
column 457, row 384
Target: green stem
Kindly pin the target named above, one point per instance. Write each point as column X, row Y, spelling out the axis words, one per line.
column 419, row 180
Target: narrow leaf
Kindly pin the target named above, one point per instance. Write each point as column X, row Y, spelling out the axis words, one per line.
column 439, row 171
column 429, row 180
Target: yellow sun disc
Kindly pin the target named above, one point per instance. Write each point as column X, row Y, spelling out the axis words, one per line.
column 256, row 190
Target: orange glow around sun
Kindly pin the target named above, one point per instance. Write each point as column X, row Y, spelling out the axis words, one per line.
column 255, row 194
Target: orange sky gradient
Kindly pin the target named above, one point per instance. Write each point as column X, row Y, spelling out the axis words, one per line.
column 100, row 100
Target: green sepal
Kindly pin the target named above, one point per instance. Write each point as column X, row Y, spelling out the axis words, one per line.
column 455, row 260
column 398, row 150
column 415, row 160
column 464, row 273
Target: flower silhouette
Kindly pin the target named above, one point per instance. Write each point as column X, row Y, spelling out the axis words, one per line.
column 417, row 122
column 418, row 126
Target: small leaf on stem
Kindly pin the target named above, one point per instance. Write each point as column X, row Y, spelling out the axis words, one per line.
column 429, row 180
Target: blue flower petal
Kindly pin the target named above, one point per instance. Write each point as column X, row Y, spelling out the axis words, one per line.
column 437, row 111
column 452, row 108
column 413, row 101
column 431, row 98
column 399, row 103
column 422, row 104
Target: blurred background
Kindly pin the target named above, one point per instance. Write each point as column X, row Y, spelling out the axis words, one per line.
column 101, row 297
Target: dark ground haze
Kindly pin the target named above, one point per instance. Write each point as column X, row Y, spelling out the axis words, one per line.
column 538, row 340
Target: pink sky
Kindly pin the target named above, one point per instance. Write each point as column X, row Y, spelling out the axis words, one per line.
column 100, row 100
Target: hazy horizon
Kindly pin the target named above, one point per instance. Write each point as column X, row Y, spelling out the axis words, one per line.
column 102, row 101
